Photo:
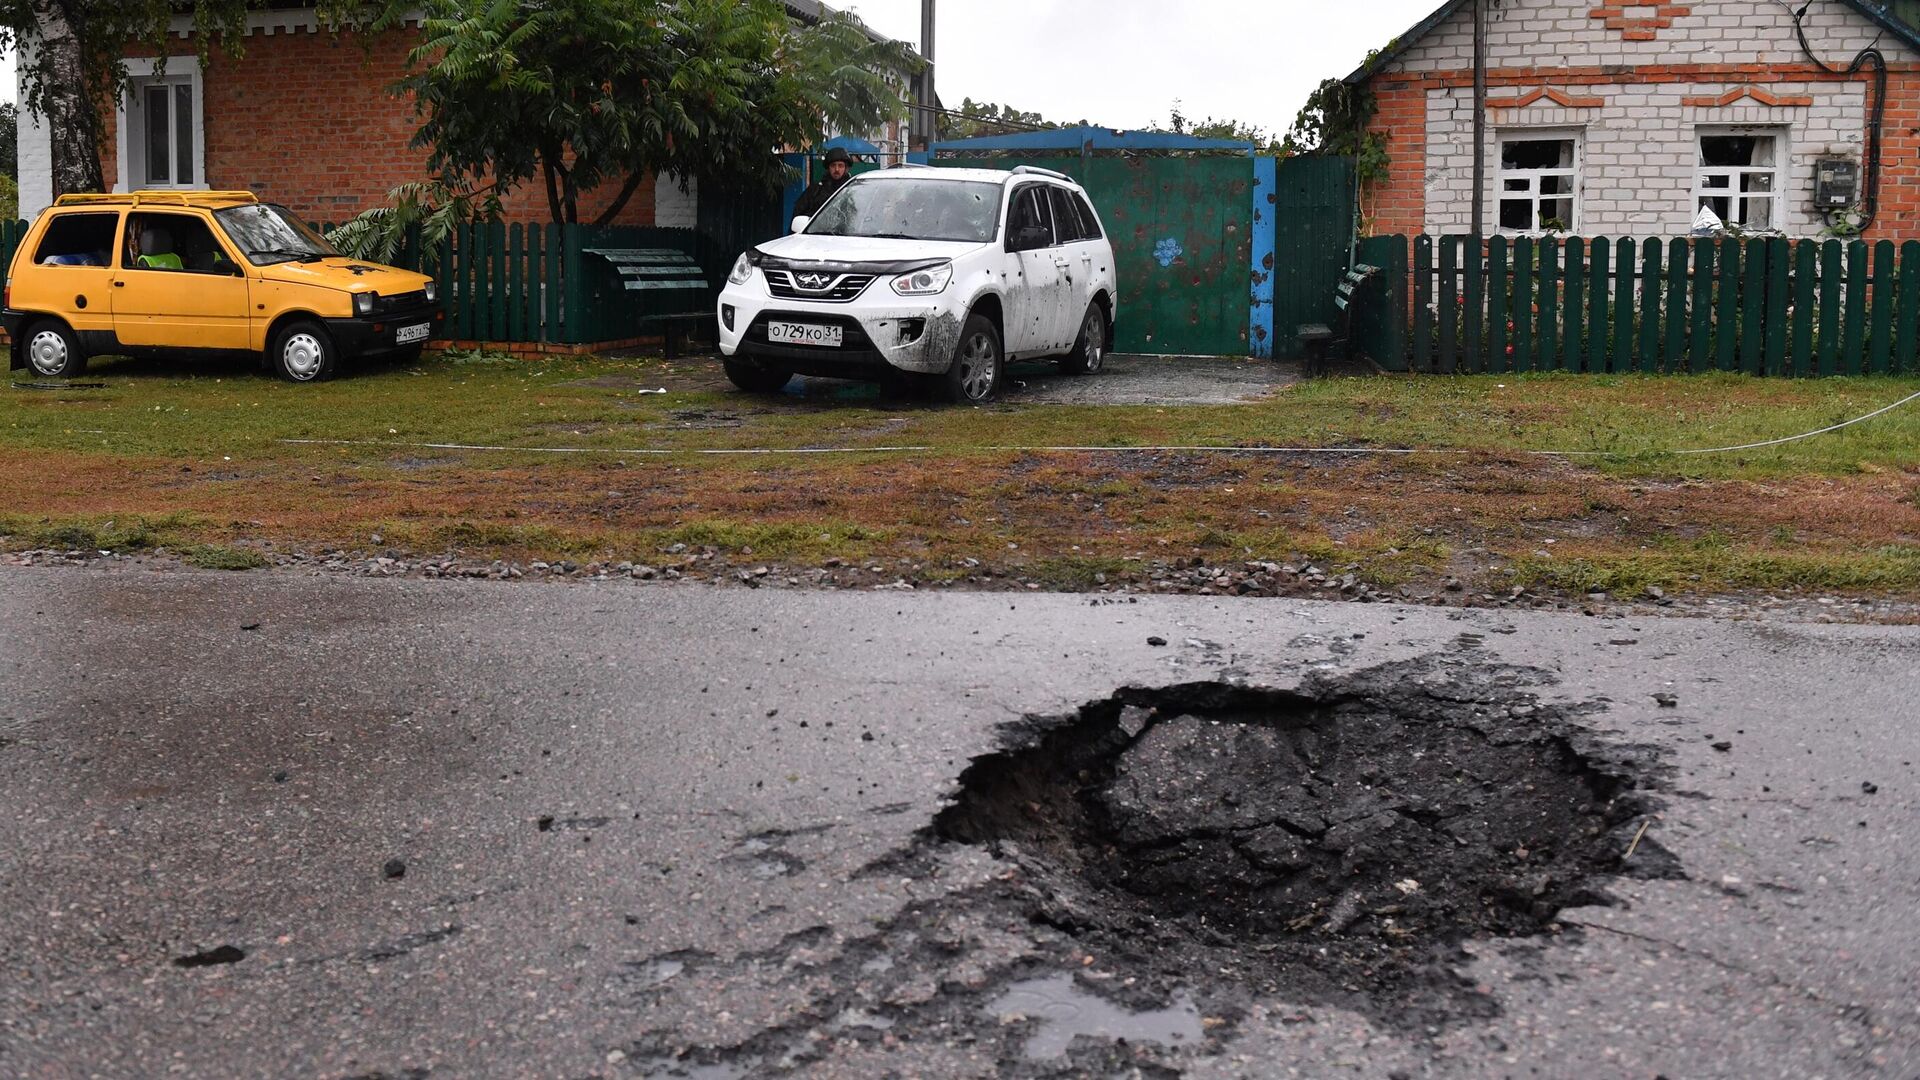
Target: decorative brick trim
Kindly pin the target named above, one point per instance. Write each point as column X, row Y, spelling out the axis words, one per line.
column 1517, row 79
column 1754, row 93
column 1558, row 97
column 1639, row 20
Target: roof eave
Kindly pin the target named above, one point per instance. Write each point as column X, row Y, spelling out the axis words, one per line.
column 1404, row 42
column 1885, row 20
column 1874, row 10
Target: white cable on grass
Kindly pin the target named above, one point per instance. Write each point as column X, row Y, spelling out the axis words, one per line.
column 813, row 450
column 1802, row 435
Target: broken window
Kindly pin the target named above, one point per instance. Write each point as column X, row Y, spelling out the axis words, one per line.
column 1539, row 182
column 1088, row 222
column 1067, row 227
column 1030, row 212
column 1740, row 176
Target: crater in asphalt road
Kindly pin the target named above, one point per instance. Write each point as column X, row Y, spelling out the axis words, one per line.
column 224, row 954
column 1335, row 843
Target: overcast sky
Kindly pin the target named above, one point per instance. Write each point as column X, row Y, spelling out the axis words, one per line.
column 1122, row 62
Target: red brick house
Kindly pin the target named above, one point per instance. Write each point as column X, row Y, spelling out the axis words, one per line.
column 1627, row 117
column 304, row 118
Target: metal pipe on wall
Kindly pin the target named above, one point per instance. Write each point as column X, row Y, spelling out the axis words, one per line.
column 1479, row 117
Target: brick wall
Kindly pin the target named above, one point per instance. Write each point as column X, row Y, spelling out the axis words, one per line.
column 1635, row 80
column 1396, row 205
column 307, row 119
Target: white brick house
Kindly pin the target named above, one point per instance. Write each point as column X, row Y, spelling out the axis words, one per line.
column 1626, row 117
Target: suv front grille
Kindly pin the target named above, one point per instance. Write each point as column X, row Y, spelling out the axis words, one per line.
column 836, row 288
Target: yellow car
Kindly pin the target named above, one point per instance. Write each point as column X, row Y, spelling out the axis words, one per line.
column 175, row 272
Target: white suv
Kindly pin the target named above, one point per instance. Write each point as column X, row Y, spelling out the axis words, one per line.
column 944, row 273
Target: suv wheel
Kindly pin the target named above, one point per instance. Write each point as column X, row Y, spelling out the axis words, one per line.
column 302, row 352
column 974, row 376
column 53, row 351
column 1089, row 353
column 753, row 378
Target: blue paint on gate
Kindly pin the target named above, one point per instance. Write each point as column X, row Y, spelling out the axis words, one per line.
column 1166, row 251
column 1260, row 315
column 796, row 186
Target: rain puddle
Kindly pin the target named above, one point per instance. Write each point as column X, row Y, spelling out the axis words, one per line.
column 670, row 1067
column 1063, row 1010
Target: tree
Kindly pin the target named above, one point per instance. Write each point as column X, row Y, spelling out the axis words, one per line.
column 976, row 118
column 1336, row 121
column 10, row 140
column 584, row 93
column 1211, row 128
column 78, row 60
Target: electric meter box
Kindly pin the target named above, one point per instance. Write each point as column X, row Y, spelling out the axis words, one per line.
column 1836, row 183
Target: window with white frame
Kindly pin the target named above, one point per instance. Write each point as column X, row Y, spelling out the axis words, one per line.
column 161, row 140
column 1739, row 175
column 1539, row 181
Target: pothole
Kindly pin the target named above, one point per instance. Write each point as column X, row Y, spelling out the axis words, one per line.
column 1334, row 844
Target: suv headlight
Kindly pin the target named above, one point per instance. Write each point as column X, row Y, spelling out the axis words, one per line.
column 433, row 292
column 742, row 270
column 925, row 281
column 363, row 302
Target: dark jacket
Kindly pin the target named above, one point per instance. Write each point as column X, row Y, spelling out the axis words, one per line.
column 817, row 194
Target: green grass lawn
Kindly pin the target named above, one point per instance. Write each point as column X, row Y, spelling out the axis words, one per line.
column 177, row 456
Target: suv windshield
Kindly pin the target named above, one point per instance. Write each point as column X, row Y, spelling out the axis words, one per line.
column 269, row 234
column 912, row 208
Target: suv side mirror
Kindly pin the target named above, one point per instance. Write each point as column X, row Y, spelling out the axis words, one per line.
column 800, row 223
column 1027, row 238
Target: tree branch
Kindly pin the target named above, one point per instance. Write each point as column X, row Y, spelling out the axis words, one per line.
column 634, row 180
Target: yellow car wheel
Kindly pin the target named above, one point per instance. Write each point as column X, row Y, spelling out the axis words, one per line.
column 52, row 350
column 302, row 352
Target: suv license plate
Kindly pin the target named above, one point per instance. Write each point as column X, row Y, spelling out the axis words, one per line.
column 788, row 333
column 412, row 333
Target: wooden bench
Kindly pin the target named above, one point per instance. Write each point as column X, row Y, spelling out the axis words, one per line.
column 668, row 280
column 1319, row 338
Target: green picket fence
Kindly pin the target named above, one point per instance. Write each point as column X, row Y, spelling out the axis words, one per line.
column 1759, row 305
column 11, row 233
column 535, row 283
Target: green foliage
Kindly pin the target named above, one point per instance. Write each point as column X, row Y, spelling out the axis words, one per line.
column 79, row 60
column 10, row 140
column 137, row 533
column 1211, row 128
column 9, row 199
column 430, row 210
column 217, row 557
column 979, row 118
column 585, row 93
column 1335, row 122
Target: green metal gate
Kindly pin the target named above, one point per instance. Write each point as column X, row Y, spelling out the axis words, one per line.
column 1181, row 229
column 1313, row 221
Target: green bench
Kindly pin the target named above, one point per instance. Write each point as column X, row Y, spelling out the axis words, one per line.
column 1318, row 339
column 670, row 285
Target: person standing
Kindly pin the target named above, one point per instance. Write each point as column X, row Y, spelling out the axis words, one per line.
column 839, row 171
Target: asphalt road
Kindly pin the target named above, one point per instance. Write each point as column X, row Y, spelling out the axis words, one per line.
column 466, row 829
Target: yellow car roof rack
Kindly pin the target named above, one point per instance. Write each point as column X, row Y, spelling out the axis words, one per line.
column 159, row 198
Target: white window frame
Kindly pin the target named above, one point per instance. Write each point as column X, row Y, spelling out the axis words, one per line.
column 1733, row 173
column 130, row 123
column 1533, row 176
